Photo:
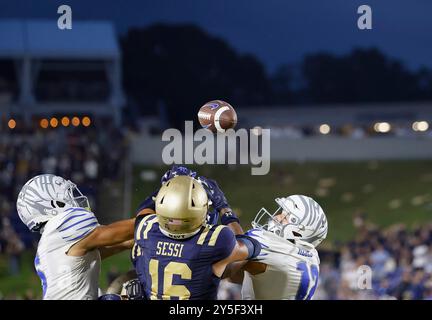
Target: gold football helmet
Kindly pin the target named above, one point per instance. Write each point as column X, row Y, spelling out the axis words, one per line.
column 181, row 207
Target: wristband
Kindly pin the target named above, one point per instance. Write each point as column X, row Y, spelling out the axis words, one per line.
column 253, row 246
column 229, row 217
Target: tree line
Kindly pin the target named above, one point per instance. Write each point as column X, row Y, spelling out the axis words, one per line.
column 174, row 69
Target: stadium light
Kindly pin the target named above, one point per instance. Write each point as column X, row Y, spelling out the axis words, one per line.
column 11, row 124
column 44, row 123
column 86, row 121
column 65, row 121
column 324, row 128
column 420, row 126
column 382, row 127
column 54, row 122
column 75, row 121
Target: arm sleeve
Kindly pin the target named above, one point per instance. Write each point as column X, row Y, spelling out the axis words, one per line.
column 148, row 203
column 76, row 224
column 225, row 244
column 253, row 245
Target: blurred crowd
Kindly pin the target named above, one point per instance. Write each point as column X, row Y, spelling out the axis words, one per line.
column 85, row 155
column 390, row 263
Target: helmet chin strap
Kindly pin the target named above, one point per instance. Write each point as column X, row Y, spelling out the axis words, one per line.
column 179, row 236
column 305, row 243
column 41, row 229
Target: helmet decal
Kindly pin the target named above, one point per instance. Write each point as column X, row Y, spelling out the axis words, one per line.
column 297, row 217
column 44, row 196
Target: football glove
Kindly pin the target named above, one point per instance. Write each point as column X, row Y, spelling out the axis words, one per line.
column 177, row 170
column 214, row 193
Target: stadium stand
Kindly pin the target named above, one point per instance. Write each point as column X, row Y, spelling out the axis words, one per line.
column 60, row 110
column 48, row 71
column 87, row 155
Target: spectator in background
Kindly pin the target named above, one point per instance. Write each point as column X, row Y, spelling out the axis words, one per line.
column 379, row 259
column 85, row 155
column 328, row 281
column 428, row 290
column 14, row 250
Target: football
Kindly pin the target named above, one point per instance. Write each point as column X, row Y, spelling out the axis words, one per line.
column 217, row 116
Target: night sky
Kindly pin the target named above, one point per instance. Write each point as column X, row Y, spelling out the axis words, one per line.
column 276, row 31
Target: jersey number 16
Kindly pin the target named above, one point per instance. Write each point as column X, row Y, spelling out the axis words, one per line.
column 170, row 290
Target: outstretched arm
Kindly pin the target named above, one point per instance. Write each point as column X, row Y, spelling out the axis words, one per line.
column 109, row 251
column 235, row 271
column 104, row 236
column 231, row 220
column 245, row 248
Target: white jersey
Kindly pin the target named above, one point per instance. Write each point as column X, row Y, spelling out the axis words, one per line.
column 291, row 273
column 67, row 277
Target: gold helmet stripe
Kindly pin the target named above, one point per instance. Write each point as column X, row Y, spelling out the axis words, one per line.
column 141, row 226
column 203, row 235
column 215, row 235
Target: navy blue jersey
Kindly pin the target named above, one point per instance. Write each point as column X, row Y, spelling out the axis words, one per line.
column 179, row 269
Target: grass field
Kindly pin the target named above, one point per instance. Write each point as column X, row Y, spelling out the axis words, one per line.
column 388, row 192
column 27, row 280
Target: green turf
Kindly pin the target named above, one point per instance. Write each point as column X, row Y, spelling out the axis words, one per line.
column 389, row 192
column 13, row 287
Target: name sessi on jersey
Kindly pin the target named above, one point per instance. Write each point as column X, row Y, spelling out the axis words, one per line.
column 179, row 269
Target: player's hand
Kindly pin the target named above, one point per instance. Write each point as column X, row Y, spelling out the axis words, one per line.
column 215, row 193
column 177, row 170
column 134, row 290
column 212, row 217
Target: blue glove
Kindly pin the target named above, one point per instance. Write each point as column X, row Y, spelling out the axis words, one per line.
column 212, row 217
column 171, row 173
column 134, row 290
column 214, row 193
column 177, row 170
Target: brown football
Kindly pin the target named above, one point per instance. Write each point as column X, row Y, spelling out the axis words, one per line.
column 217, row 116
